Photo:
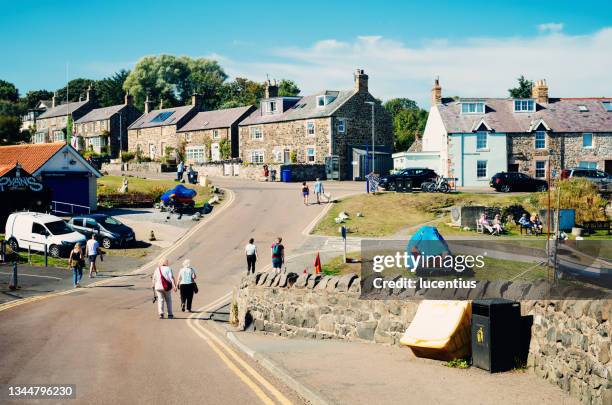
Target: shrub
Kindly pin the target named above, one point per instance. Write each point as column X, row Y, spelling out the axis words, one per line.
column 516, row 210
column 127, row 156
column 580, row 194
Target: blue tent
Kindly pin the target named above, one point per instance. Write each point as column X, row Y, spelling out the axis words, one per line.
column 180, row 192
column 427, row 240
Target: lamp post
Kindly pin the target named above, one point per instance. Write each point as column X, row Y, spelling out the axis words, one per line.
column 372, row 104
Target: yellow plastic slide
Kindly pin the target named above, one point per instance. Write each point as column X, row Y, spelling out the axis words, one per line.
column 440, row 330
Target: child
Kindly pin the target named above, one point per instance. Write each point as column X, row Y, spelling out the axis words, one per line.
column 305, row 192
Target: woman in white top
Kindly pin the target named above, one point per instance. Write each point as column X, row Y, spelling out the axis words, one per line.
column 187, row 285
column 164, row 295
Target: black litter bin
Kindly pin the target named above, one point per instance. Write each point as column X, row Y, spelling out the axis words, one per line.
column 192, row 177
column 496, row 334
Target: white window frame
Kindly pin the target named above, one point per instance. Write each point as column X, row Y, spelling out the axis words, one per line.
column 341, row 125
column 521, row 105
column 59, row 136
column 196, row 153
column 586, row 164
column 279, row 155
column 479, row 134
column 256, row 133
column 39, row 137
column 215, row 134
column 188, row 136
column 486, row 169
column 258, row 156
column 543, row 169
column 313, row 155
column 308, row 127
column 472, row 107
column 592, row 140
column 535, row 144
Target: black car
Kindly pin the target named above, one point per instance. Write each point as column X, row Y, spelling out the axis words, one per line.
column 417, row 175
column 109, row 232
column 515, row 181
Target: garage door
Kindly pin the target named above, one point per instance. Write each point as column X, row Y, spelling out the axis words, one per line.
column 68, row 189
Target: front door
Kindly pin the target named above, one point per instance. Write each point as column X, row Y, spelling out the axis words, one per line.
column 513, row 167
column 608, row 166
column 287, row 156
column 215, row 152
column 152, row 151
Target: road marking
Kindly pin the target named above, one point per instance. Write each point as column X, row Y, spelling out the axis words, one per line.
column 31, row 275
column 222, row 349
column 179, row 243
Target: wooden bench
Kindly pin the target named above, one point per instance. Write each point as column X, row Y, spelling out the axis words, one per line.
column 592, row 226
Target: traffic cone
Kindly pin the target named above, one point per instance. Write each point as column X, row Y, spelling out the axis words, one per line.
column 317, row 264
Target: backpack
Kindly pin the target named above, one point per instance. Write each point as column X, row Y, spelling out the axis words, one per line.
column 166, row 285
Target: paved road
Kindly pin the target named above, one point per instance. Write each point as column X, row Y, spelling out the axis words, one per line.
column 108, row 341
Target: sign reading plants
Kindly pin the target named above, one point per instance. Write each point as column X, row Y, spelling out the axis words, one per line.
column 18, row 179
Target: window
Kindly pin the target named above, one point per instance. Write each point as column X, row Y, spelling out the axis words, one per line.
column 310, row 128
column 540, row 168
column 310, row 155
column 587, row 140
column 278, row 156
column 39, row 137
column 587, row 165
column 472, row 108
column 215, row 134
column 188, row 136
column 540, row 139
column 481, row 140
column 271, row 107
column 256, row 133
column 341, row 125
column 196, row 154
column 163, row 116
column 607, row 105
column 58, row 136
column 257, row 156
column 524, row 105
column 97, row 125
column 98, row 141
column 481, row 169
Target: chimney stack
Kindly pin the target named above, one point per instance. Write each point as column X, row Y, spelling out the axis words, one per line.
column 271, row 89
column 129, row 99
column 361, row 81
column 54, row 99
column 196, row 100
column 539, row 91
column 147, row 105
column 91, row 93
column 161, row 103
column 436, row 92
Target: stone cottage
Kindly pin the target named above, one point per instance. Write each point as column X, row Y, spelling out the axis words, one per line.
column 104, row 130
column 51, row 124
column 330, row 127
column 156, row 130
column 213, row 135
column 478, row 137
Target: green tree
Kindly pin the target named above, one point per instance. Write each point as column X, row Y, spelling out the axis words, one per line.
column 10, row 108
column 240, row 92
column 110, row 89
column 8, row 91
column 408, row 121
column 173, row 80
column 523, row 90
column 76, row 88
column 288, row 88
column 32, row 97
column 395, row 105
column 10, row 127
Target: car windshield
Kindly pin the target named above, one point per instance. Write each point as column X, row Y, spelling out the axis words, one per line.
column 58, row 228
column 110, row 222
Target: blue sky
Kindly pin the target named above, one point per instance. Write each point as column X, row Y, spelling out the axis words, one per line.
column 475, row 48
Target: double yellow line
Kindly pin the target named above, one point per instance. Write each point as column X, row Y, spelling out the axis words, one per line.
column 234, row 362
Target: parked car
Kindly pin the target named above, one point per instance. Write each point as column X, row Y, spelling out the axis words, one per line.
column 515, row 181
column 418, row 175
column 109, row 231
column 38, row 231
column 602, row 179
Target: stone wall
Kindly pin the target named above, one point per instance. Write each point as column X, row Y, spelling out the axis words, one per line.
column 570, row 343
column 205, row 138
column 159, row 137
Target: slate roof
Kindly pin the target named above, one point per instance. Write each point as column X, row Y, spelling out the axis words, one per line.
column 101, row 113
column 560, row 115
column 30, row 156
column 62, row 109
column 215, row 119
column 144, row 121
column 305, row 108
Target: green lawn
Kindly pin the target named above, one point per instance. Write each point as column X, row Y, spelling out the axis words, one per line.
column 111, row 184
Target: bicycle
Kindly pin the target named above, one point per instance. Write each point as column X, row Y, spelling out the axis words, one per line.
column 440, row 185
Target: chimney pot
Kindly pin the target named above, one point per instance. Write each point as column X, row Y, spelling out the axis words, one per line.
column 196, row 100
column 53, row 99
column 540, row 91
column 436, row 92
column 147, row 105
column 361, row 81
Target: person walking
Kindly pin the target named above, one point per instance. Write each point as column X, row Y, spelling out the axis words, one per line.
column 251, row 256
column 180, row 169
column 163, row 283
column 93, row 251
column 305, row 192
column 278, row 255
column 76, row 263
column 187, row 285
column 319, row 190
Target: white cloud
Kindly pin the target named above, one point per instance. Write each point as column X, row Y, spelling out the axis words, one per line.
column 551, row 27
column 574, row 66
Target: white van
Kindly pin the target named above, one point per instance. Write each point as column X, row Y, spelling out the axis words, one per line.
column 37, row 231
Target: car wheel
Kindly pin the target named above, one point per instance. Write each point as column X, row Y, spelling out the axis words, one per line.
column 390, row 187
column 505, row 188
column 107, row 243
column 14, row 245
column 542, row 188
column 54, row 251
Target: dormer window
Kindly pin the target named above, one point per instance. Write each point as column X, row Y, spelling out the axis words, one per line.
column 324, row 100
column 524, row 105
column 583, row 108
column 270, row 107
column 607, row 105
column 472, row 108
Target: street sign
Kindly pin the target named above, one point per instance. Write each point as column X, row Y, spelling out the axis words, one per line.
column 343, row 232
